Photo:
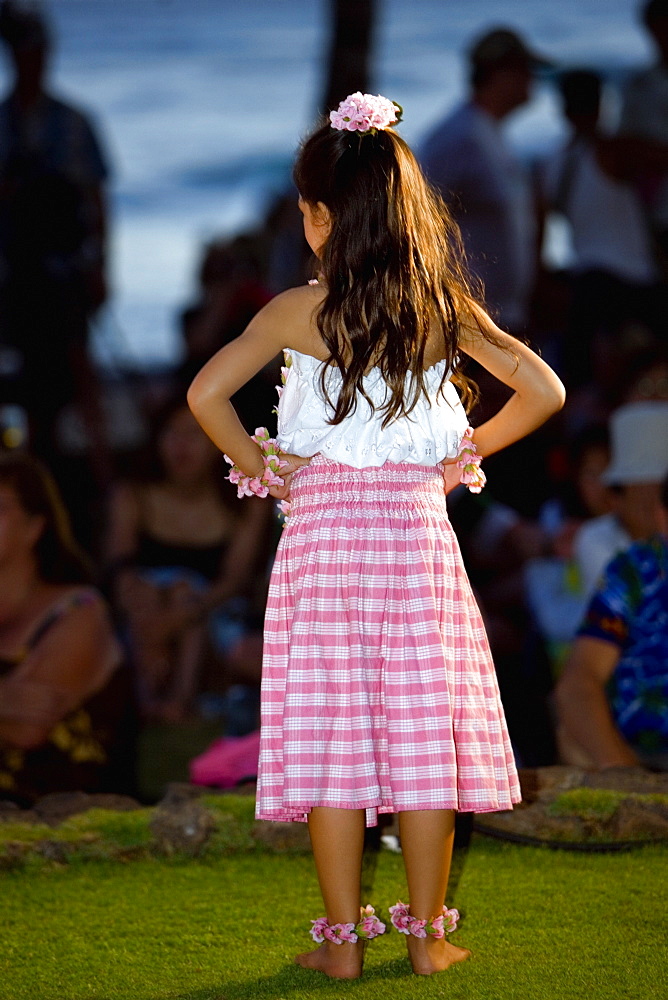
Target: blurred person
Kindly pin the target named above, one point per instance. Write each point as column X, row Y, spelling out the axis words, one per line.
column 553, row 589
column 581, row 493
column 67, row 719
column 183, row 563
column 52, row 240
column 643, row 375
column 639, row 463
column 638, row 374
column 612, row 699
column 468, row 158
column 231, row 293
column 289, row 260
column 644, row 115
column 615, row 276
column 496, row 543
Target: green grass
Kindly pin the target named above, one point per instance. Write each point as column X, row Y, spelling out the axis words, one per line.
column 542, row 925
column 101, row 834
column 125, row 829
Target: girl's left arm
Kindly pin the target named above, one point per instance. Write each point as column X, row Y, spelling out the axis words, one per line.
column 231, row 367
column 538, row 393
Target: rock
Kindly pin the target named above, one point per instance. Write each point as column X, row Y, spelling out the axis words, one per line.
column 560, row 829
column 181, row 824
column 533, row 823
column 58, row 806
column 641, row 820
column 638, row 812
column 10, row 812
column 181, row 791
column 52, row 850
column 7, row 807
column 12, row 854
column 546, row 782
column 627, row 779
column 112, row 800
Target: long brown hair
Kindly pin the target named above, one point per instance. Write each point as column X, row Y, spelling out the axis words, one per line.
column 59, row 558
column 393, row 266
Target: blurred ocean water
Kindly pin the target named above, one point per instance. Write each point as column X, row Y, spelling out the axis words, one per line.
column 201, row 104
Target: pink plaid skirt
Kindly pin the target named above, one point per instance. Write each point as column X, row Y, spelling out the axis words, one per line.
column 378, row 688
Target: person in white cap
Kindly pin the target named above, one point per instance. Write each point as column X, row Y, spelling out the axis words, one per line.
column 639, row 464
column 468, row 158
column 612, row 698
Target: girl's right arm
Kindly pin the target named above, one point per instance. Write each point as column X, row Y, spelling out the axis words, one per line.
column 283, row 322
column 538, row 393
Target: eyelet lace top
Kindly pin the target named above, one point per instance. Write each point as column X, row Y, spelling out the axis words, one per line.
column 433, row 430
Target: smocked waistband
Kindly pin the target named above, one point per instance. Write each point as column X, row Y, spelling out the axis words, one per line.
column 325, row 485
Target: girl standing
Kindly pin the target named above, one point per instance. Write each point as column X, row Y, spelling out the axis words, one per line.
column 379, row 694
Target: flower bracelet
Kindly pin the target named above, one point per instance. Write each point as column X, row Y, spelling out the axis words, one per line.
column 469, row 461
column 444, row 923
column 248, row 486
column 369, row 927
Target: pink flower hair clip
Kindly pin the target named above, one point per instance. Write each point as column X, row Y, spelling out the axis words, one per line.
column 365, row 113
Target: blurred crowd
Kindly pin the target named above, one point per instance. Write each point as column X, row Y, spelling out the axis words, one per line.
column 132, row 581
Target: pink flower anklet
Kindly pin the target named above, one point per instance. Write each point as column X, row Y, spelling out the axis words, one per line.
column 444, row 923
column 369, row 927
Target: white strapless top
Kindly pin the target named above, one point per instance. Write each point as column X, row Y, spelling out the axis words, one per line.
column 433, row 430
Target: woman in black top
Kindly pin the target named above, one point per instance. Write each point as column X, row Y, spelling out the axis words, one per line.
column 67, row 719
column 179, row 551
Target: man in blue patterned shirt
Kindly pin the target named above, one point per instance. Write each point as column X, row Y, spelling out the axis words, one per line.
column 612, row 698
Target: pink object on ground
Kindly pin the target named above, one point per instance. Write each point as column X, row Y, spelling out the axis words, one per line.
column 227, row 762
column 378, row 687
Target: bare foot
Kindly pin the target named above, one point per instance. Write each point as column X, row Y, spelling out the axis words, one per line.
column 340, row 961
column 429, row 955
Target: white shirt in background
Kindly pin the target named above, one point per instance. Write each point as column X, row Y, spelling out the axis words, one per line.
column 595, row 544
column 609, row 227
column 645, row 114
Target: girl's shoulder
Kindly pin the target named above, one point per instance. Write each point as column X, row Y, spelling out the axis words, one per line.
column 301, row 300
column 295, row 312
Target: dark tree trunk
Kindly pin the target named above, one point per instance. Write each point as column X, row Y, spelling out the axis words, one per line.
column 350, row 50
